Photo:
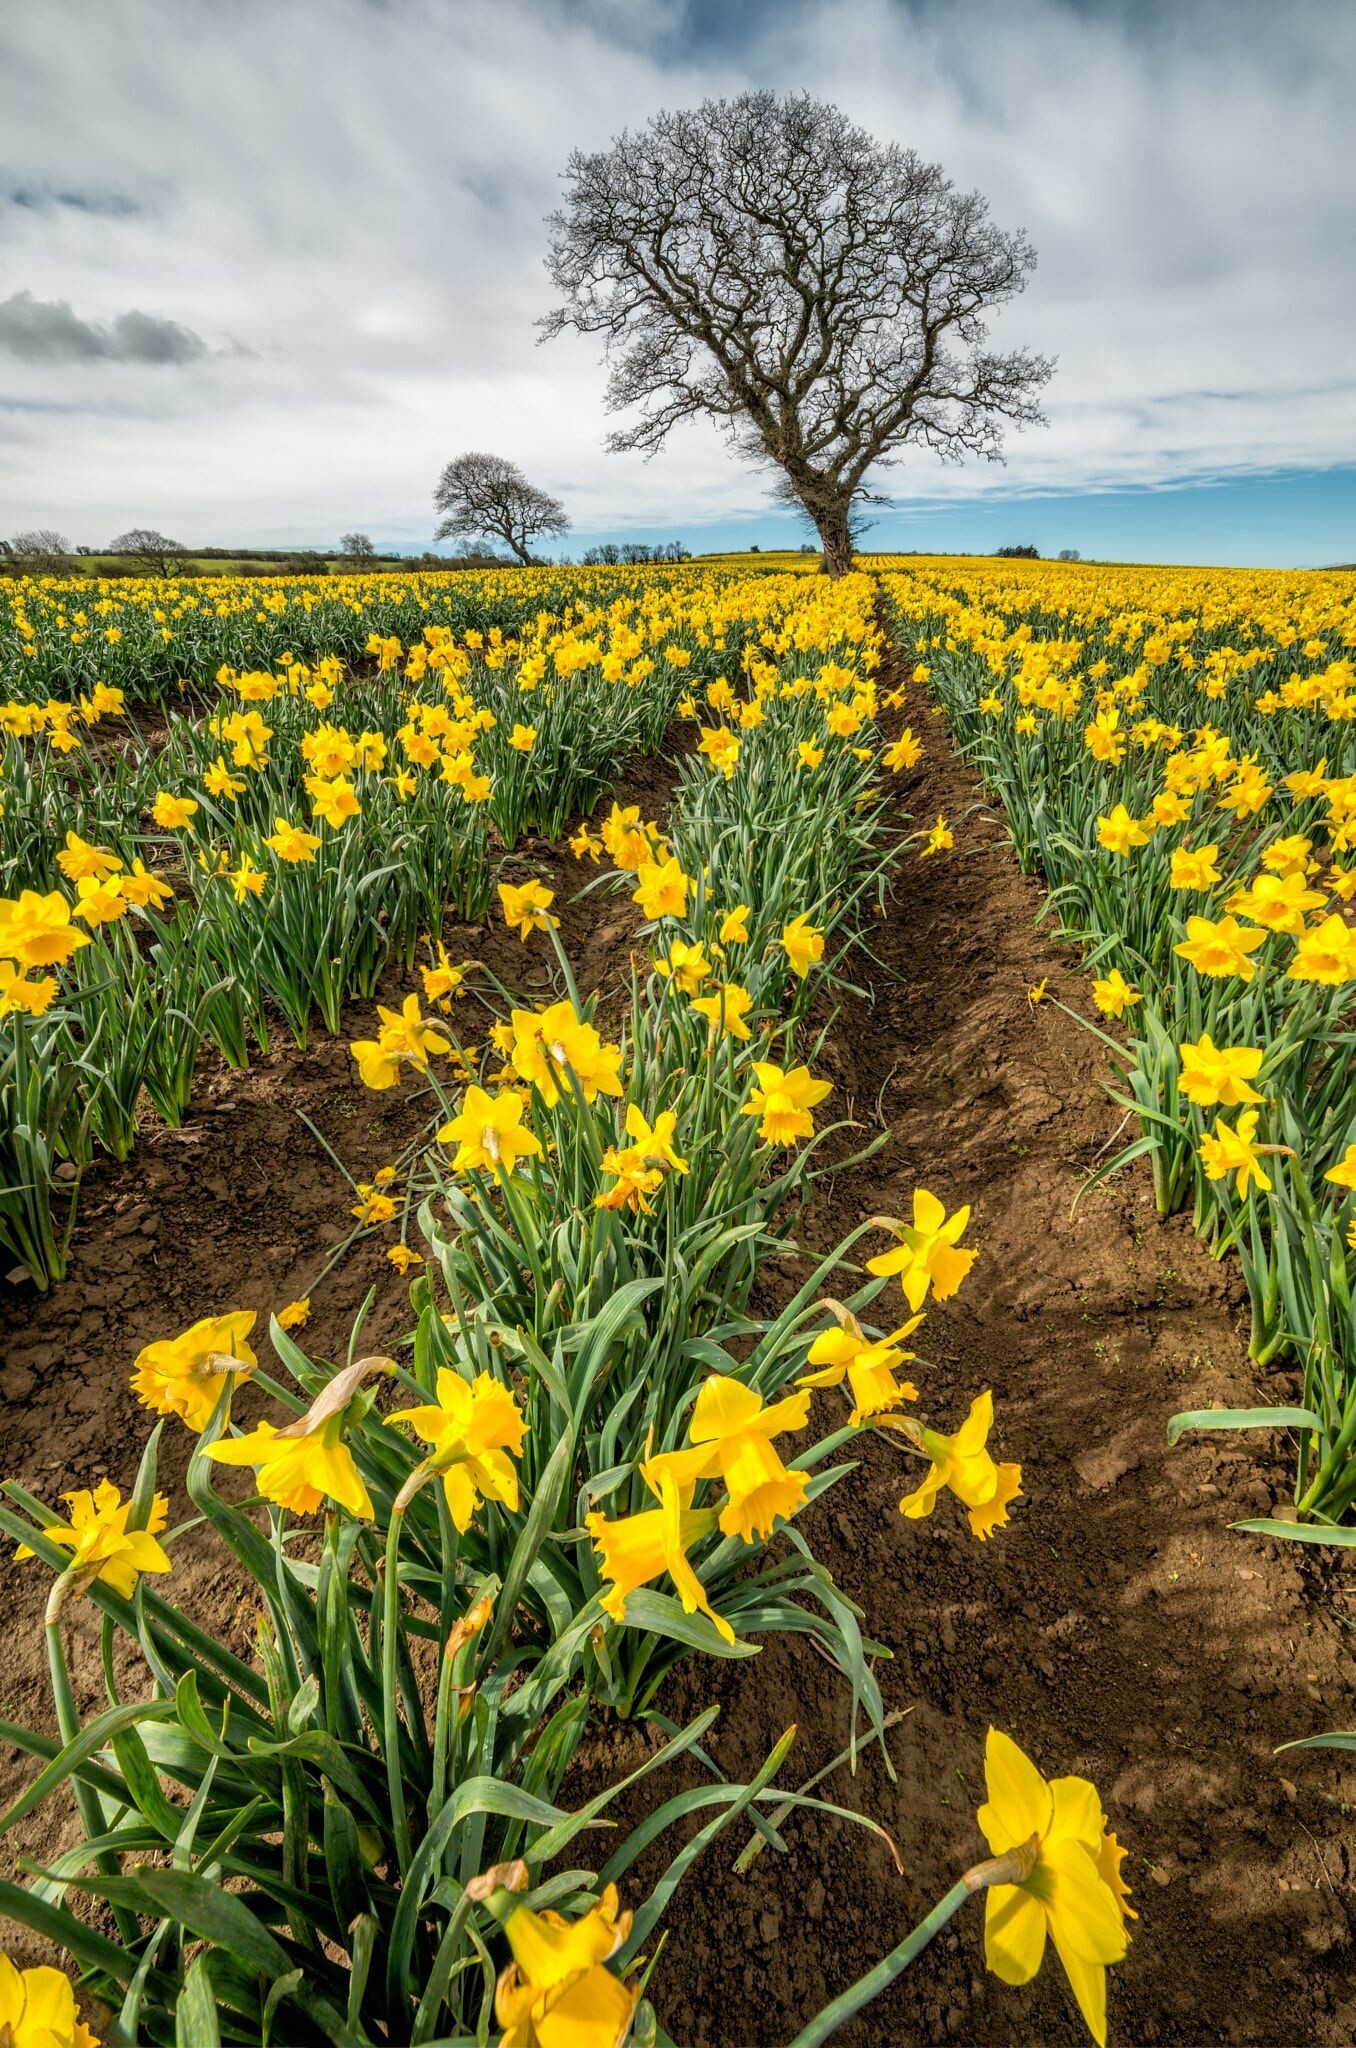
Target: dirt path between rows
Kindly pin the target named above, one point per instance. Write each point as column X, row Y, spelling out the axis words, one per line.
column 1117, row 1628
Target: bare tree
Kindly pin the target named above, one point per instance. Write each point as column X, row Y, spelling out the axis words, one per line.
column 483, row 496
column 144, row 544
column 40, row 547
column 819, row 294
column 357, row 548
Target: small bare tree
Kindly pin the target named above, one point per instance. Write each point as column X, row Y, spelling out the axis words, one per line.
column 144, row 544
column 41, row 548
column 358, row 548
column 819, row 294
column 486, row 496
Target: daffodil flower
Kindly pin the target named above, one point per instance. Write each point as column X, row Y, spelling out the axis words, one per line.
column 1074, row 1893
column 308, row 1462
column 527, row 908
column 638, row 1548
column 962, row 1463
column 186, row 1375
column 474, row 1429
column 557, row 1992
column 783, row 1101
column 730, row 1438
column 37, row 2009
column 928, row 1257
column 104, row 1551
column 489, row 1133
column 869, row 1366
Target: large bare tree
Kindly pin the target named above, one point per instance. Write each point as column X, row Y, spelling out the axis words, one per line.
column 821, row 295
column 145, row 544
column 486, row 496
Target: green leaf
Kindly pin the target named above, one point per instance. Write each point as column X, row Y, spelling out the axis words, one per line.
column 1242, row 1418
column 214, row 1915
column 1300, row 1532
column 92, row 1738
column 195, row 2018
column 661, row 1615
column 1336, row 1738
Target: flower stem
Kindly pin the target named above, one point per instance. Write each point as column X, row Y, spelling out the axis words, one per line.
column 1008, row 1869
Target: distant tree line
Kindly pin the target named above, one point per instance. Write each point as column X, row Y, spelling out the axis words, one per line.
column 633, row 553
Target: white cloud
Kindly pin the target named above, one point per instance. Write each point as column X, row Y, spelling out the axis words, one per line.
column 351, row 195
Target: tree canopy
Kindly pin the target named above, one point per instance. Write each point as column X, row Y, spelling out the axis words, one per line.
column 487, row 497
column 822, row 296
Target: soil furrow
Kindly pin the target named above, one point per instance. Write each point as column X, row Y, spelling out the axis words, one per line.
column 1117, row 1628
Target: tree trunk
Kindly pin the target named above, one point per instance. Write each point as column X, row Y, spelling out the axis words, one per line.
column 835, row 536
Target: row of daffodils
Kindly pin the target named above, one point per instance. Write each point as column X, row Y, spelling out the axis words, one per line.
column 265, row 851
column 1176, row 753
column 592, row 1458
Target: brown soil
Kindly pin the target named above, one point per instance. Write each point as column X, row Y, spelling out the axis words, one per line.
column 1117, row 1628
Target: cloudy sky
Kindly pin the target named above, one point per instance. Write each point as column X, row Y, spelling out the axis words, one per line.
column 266, row 264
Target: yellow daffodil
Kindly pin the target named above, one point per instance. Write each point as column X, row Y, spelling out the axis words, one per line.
column 802, row 944
column 1212, row 1074
column 906, row 752
column 1074, row 1893
column 734, row 926
column 1113, row 994
column 962, row 1463
column 557, row 1992
column 1120, row 833
column 783, row 1102
column 291, row 843
column 186, row 1375
column 36, row 930
column 730, row 1437
column 37, row 2009
column 868, row 1364
column 474, row 1429
column 104, row 1551
column 928, row 1257
column 721, row 748
column 527, row 907
column 548, row 1044
column 939, row 840
column 686, row 966
column 335, row 801
column 726, row 1009
column 173, row 813
column 81, row 862
column 1194, row 867
column 662, row 889
column 19, row 995
column 1325, row 954
column 489, row 1133
column 372, row 1206
column 100, row 901
column 1343, row 1175
column 1278, row 903
column 1220, row 948
column 307, row 1461
column 638, row 1548
column 1231, row 1150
